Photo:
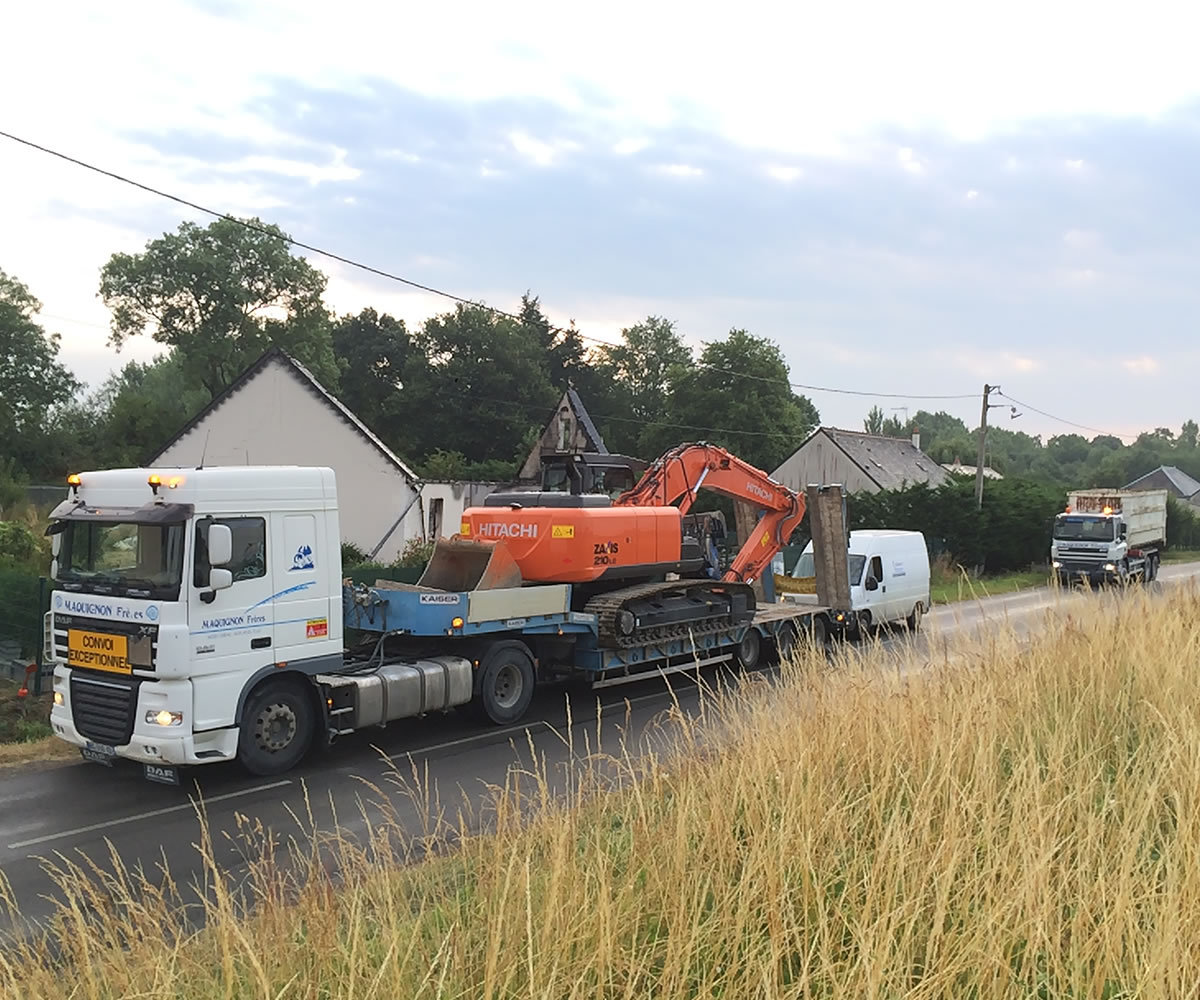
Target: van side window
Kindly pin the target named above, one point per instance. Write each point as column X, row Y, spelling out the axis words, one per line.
column 877, row 568
column 249, row 549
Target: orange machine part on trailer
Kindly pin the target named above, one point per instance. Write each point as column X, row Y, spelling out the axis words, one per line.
column 580, row 544
column 640, row 534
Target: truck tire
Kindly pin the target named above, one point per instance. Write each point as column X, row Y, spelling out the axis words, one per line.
column 277, row 727
column 504, row 685
column 749, row 650
column 1151, row 571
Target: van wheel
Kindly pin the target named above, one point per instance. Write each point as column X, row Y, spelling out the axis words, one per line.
column 863, row 624
column 914, row 620
column 749, row 650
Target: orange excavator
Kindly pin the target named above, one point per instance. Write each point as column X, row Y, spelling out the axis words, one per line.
column 629, row 559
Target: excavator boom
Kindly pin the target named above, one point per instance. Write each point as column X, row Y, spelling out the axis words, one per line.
column 677, row 477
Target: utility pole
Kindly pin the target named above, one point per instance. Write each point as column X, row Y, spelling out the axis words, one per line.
column 987, row 391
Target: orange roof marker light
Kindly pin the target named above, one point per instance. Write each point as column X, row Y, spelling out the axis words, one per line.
column 1107, row 510
column 155, row 482
column 74, row 481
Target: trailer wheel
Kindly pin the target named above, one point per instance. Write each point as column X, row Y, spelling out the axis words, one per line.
column 749, row 650
column 504, row 686
column 277, row 728
column 785, row 642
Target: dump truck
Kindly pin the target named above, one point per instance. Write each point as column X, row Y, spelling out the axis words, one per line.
column 1109, row 536
column 201, row 615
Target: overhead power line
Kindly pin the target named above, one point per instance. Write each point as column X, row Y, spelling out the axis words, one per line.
column 1064, row 420
column 451, row 296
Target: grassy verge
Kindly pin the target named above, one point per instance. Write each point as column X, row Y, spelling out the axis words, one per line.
column 1027, row 826
column 25, row 729
column 946, row 586
column 1181, row 556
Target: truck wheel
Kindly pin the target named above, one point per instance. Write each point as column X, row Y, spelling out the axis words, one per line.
column 914, row 620
column 748, row 650
column 1151, row 571
column 276, row 729
column 505, row 685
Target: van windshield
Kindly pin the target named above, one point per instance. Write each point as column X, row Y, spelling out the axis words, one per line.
column 132, row 560
column 806, row 568
column 1083, row 529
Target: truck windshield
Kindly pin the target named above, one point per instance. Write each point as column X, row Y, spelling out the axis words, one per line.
column 806, row 568
column 1083, row 529
column 134, row 560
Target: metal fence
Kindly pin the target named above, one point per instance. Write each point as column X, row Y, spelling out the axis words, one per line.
column 24, row 600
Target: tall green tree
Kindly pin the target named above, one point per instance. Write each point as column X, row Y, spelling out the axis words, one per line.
column 33, row 382
column 220, row 296
column 486, row 390
column 381, row 369
column 738, row 396
column 640, row 371
column 874, row 421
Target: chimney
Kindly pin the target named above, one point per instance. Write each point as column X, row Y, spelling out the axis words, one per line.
column 916, row 437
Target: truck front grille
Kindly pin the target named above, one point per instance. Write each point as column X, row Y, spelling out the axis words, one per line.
column 104, row 707
column 62, row 623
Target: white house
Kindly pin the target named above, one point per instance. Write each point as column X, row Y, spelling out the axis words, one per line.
column 277, row 413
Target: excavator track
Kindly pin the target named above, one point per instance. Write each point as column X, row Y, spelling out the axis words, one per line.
column 654, row 612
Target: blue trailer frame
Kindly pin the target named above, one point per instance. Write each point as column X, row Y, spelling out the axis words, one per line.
column 429, row 614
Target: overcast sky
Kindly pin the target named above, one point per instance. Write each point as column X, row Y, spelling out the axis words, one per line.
column 909, row 198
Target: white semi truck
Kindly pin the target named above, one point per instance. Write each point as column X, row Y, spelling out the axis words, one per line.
column 1110, row 536
column 201, row 615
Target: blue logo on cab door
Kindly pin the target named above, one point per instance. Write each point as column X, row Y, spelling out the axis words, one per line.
column 303, row 559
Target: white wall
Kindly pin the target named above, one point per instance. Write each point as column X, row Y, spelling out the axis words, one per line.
column 275, row 419
column 455, row 497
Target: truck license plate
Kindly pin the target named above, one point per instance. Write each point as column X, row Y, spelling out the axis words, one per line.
column 161, row 773
column 99, row 754
column 98, row 651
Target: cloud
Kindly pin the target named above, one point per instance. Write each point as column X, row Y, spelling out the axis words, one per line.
column 1141, row 366
column 991, row 265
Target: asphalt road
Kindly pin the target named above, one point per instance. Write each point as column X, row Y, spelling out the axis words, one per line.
column 70, row 811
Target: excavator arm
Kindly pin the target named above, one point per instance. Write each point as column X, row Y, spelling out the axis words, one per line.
column 677, row 477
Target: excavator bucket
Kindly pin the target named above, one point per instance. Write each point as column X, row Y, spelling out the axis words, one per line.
column 465, row 564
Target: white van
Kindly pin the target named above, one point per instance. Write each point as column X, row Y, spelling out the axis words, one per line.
column 889, row 577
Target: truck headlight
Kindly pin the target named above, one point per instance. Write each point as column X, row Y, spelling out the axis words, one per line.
column 164, row 718
column 1110, row 567
column 1056, row 564
column 59, row 700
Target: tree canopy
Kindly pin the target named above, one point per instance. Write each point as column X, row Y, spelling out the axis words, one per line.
column 219, row 296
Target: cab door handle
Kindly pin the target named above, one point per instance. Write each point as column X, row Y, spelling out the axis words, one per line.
column 262, row 643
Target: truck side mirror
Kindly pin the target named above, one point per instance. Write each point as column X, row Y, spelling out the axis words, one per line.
column 220, row 579
column 220, row 545
column 1124, row 529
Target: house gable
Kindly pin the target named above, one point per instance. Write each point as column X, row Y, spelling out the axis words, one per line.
column 306, row 380
column 570, row 429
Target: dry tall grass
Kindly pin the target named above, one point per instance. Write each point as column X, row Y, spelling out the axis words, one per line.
column 1025, row 823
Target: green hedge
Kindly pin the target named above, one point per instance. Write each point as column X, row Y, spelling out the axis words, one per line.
column 1011, row 532
column 1183, row 525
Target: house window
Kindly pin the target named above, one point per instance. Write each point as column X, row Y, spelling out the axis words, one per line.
column 249, row 549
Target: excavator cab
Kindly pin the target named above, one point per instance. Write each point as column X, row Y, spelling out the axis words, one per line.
column 590, row 473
